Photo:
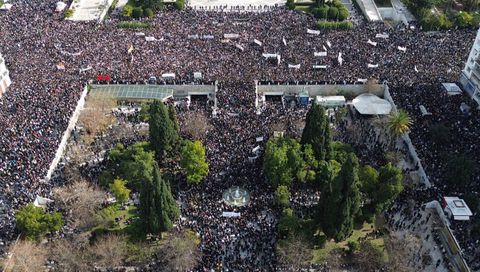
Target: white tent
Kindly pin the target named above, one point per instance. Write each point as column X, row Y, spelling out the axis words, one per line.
column 371, row 104
column 60, row 6
column 41, row 202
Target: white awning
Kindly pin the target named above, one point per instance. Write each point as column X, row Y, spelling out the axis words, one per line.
column 371, row 104
column 168, row 75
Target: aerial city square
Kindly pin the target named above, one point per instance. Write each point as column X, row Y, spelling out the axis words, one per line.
column 257, row 135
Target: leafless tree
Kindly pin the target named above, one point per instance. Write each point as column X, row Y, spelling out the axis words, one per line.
column 26, row 256
column 294, row 253
column 403, row 252
column 110, row 251
column 181, row 251
column 82, row 200
column 368, row 258
column 195, row 124
column 71, row 256
column 96, row 116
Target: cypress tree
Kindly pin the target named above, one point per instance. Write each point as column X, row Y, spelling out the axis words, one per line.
column 163, row 135
column 341, row 201
column 158, row 208
column 173, row 117
column 317, row 133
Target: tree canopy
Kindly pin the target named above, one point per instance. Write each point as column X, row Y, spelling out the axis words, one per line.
column 158, row 209
column 35, row 222
column 162, row 129
column 194, row 161
column 399, row 123
column 284, row 161
column 119, row 190
column 340, row 201
column 317, row 132
column 132, row 164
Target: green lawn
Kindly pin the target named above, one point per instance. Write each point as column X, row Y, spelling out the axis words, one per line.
column 320, row 254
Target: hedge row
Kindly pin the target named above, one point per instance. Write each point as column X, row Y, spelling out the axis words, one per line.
column 331, row 12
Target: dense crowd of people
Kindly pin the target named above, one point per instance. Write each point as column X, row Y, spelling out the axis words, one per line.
column 50, row 60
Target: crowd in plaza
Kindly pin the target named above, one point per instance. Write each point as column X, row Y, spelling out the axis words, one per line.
column 50, row 60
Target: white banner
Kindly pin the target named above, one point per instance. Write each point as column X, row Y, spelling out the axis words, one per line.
column 363, row 80
column 231, row 36
column 372, row 43
column 320, row 54
column 313, row 32
column 404, row 49
column 231, row 214
column 150, row 39
column 315, row 67
column 291, row 66
column 329, row 44
column 284, row 41
column 207, row 37
column 259, row 43
column 340, row 59
column 372, row 65
column 193, row 37
column 267, row 55
column 239, row 47
column 381, row 36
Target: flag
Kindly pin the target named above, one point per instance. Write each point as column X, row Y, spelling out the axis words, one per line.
column 329, row 44
column 415, row 68
column 284, row 41
column 324, row 48
column 130, row 49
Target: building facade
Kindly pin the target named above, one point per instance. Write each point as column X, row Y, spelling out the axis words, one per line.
column 4, row 77
column 470, row 77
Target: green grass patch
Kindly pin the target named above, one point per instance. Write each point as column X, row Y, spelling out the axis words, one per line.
column 133, row 24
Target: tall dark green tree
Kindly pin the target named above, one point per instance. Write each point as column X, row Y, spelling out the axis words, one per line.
column 317, row 133
column 163, row 135
column 173, row 116
column 341, row 201
column 158, row 209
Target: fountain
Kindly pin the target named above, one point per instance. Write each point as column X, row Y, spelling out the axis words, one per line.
column 236, row 196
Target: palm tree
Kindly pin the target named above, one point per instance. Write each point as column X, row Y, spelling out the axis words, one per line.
column 399, row 123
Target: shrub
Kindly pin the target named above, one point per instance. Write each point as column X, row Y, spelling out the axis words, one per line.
column 338, row 4
column 290, row 4
column 127, row 11
column 35, row 222
column 332, row 13
column 148, row 12
column 180, row 4
column 464, row 19
column 353, row 246
column 323, row 11
column 343, row 13
column 68, row 13
column 137, row 12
